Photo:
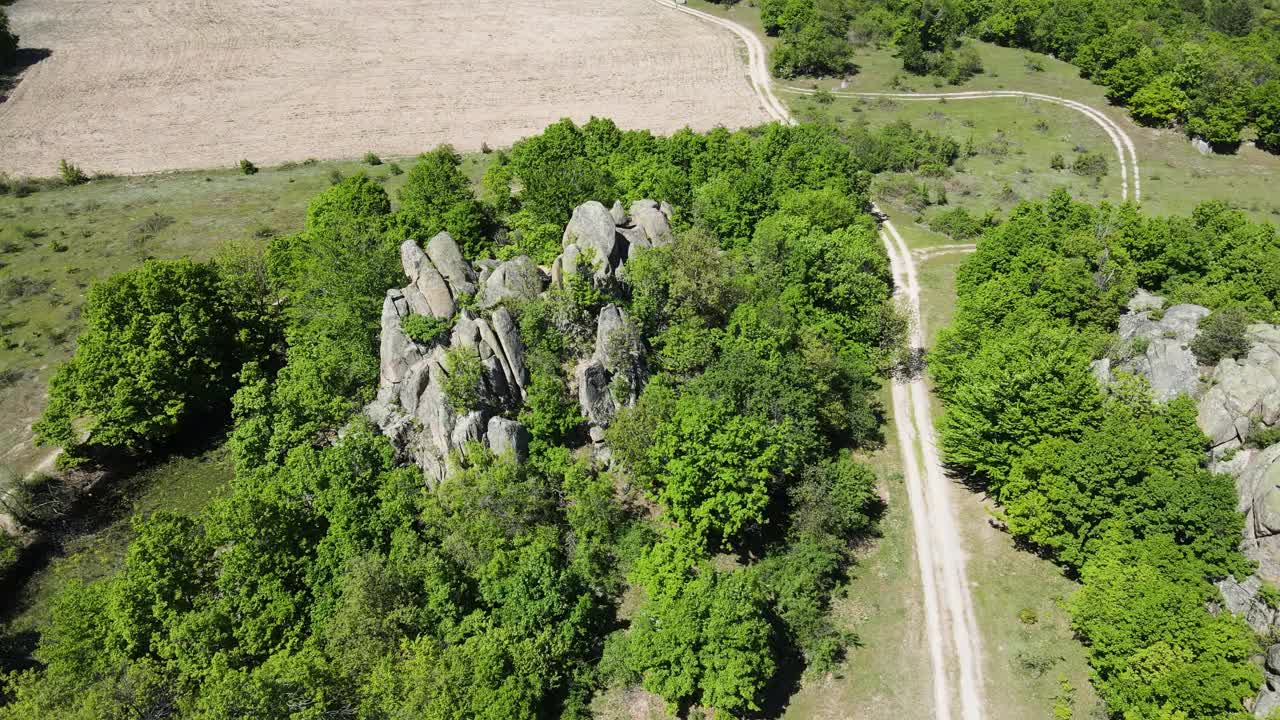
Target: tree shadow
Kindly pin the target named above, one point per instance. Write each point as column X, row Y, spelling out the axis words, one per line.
column 23, row 59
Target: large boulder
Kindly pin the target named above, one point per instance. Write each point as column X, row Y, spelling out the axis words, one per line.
column 508, row 436
column 447, row 257
column 1244, row 394
column 1244, row 599
column 1161, row 348
column 428, row 280
column 592, row 230
column 396, row 352
column 593, row 392
column 516, row 279
column 648, row 216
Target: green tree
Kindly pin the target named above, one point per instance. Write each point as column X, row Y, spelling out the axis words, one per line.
column 437, row 196
column 1221, row 335
column 356, row 198
column 1159, row 103
column 159, row 346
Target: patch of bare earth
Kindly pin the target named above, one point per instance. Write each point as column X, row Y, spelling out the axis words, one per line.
column 153, row 85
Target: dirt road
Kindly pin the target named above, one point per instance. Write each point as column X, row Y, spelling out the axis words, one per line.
column 1123, row 144
column 151, row 85
column 955, row 648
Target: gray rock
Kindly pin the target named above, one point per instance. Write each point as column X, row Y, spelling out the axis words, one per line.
column 396, row 352
column 447, row 258
column 494, row 348
column 592, row 227
column 1101, row 371
column 1242, row 599
column 1244, row 394
column 633, row 239
column 617, row 344
column 1259, row 484
column 667, row 210
column 504, row 326
column 593, row 392
column 413, row 385
column 516, row 279
column 465, row 332
column 498, row 390
column 1167, row 361
column 1273, row 659
column 470, row 428
column 1268, row 700
column 648, row 216
column 557, row 271
column 619, row 215
column 1143, row 300
column 508, row 436
column 424, row 275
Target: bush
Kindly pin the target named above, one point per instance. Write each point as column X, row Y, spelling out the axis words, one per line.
column 1057, row 162
column 372, row 159
column 71, row 174
column 395, row 169
column 465, row 375
column 424, row 329
column 1221, row 335
column 1090, row 165
column 248, row 168
column 1263, row 438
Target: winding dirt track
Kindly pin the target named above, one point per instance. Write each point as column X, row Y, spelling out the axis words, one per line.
column 151, row 85
column 1125, row 151
column 955, row 648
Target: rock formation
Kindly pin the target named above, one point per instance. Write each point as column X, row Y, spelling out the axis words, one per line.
column 1235, row 400
column 412, row 408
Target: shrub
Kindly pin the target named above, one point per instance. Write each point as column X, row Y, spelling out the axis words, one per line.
column 1090, row 165
column 1057, row 162
column 465, row 374
column 1221, row 335
column 372, row 159
column 424, row 329
column 395, row 169
column 248, row 168
column 71, row 174
column 1263, row 438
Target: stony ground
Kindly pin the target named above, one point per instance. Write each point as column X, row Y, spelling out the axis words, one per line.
column 177, row 84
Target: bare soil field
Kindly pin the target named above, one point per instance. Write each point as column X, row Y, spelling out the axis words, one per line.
column 151, row 85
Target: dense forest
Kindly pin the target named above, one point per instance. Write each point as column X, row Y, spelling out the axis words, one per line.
column 1211, row 67
column 1107, row 482
column 333, row 582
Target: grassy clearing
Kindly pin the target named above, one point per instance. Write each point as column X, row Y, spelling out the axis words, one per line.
column 182, row 484
column 54, row 244
column 886, row 676
column 1175, row 177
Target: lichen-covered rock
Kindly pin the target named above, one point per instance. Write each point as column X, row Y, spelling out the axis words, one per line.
column 508, row 436
column 504, row 326
column 648, row 216
column 428, row 280
column 1164, row 354
column 1244, row 394
column 516, row 279
column 447, row 257
column 1244, row 599
column 470, row 428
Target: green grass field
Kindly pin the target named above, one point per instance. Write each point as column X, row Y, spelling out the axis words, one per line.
column 183, row 484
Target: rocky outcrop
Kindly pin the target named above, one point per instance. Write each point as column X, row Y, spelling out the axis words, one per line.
column 412, row 408
column 1244, row 395
column 608, row 237
column 1157, row 345
column 614, row 374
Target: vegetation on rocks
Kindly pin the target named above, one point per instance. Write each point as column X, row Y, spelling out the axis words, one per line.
column 8, row 40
